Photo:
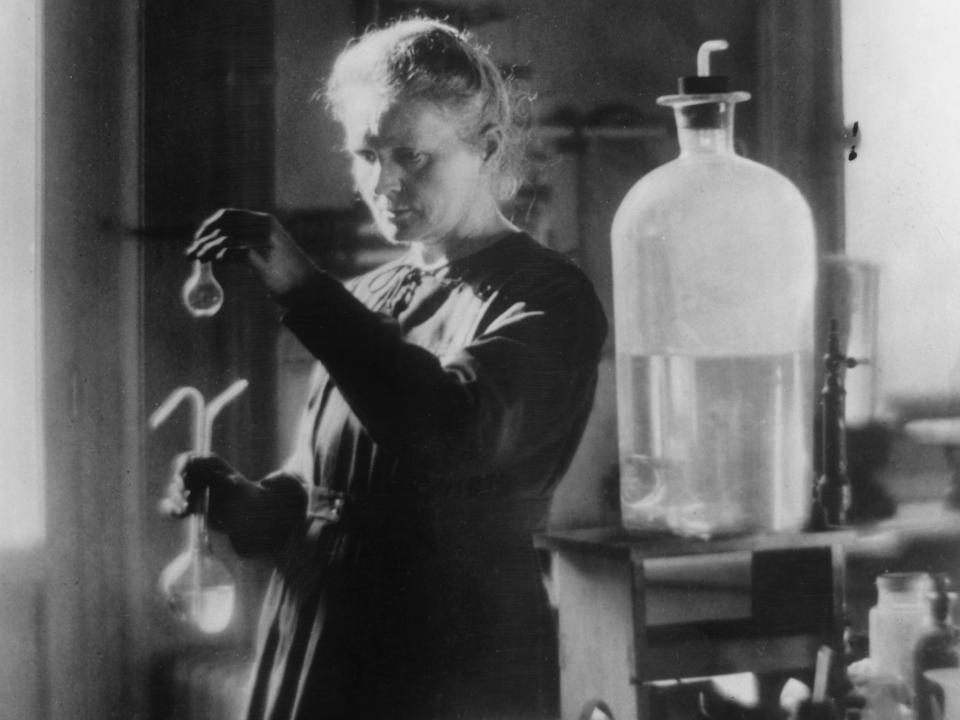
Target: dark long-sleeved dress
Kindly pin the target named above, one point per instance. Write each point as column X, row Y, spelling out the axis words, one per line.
column 435, row 427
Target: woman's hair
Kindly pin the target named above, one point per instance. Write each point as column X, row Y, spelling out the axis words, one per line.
column 425, row 59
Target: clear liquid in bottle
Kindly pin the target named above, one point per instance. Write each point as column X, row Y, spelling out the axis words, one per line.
column 708, row 443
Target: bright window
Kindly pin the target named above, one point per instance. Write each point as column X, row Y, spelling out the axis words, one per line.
column 900, row 65
column 21, row 508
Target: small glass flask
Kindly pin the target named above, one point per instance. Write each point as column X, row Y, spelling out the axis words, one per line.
column 202, row 294
column 198, row 587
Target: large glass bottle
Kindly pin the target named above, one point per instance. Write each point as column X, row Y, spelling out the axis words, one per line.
column 714, row 274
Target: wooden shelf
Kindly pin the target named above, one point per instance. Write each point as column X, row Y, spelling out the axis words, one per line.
column 913, row 522
column 614, row 541
column 920, row 519
column 922, row 522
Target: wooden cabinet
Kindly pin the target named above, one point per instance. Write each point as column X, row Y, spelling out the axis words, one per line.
column 763, row 604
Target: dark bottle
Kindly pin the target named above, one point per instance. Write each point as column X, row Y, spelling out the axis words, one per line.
column 936, row 648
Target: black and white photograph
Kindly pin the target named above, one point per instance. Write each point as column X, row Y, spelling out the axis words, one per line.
column 480, row 360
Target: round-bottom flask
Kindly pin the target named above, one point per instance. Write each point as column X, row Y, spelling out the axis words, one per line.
column 202, row 294
column 198, row 587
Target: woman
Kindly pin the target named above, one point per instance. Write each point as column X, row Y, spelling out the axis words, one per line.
column 450, row 391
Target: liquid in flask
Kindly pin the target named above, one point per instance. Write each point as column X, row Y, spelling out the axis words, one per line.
column 198, row 587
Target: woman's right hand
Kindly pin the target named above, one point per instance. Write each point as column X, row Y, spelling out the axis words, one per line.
column 193, row 475
column 260, row 240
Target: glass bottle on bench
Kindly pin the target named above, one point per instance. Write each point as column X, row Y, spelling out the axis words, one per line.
column 714, row 273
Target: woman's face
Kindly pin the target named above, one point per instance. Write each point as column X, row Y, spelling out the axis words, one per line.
column 421, row 181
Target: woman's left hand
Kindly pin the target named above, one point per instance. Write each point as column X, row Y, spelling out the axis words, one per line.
column 230, row 494
column 257, row 238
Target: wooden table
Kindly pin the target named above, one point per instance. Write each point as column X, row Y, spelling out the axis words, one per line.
column 634, row 610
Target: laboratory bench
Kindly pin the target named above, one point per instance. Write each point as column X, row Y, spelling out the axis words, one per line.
column 637, row 613
column 921, row 537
